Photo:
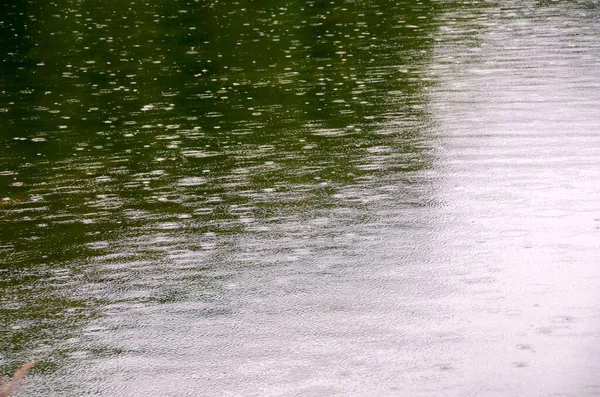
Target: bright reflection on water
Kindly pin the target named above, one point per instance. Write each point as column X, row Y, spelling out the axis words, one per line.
column 301, row 198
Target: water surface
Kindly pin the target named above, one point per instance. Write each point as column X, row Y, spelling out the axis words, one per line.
column 301, row 198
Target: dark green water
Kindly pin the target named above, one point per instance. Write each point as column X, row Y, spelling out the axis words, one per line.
column 300, row 197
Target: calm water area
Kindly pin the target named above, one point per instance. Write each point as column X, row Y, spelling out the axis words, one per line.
column 300, row 197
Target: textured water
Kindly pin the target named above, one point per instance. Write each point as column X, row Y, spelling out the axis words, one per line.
column 301, row 198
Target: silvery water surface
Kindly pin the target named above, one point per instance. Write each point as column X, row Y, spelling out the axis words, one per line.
column 301, row 198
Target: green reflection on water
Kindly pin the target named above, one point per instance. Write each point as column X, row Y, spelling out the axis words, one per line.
column 119, row 119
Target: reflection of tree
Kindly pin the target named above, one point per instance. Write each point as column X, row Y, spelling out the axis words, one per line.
column 37, row 322
column 117, row 105
column 322, row 66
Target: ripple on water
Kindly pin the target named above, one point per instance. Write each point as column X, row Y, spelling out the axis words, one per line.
column 325, row 198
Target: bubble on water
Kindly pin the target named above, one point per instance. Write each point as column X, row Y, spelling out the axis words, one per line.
column 520, row 364
column 563, row 319
column 168, row 225
column 192, row 181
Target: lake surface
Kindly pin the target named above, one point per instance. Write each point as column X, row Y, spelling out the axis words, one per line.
column 301, row 198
